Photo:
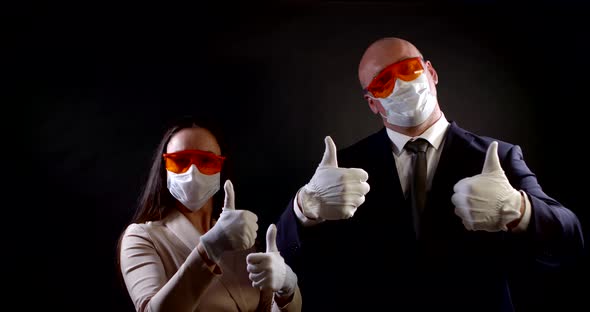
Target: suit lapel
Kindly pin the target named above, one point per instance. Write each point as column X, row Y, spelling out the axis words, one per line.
column 455, row 151
column 383, row 176
column 385, row 168
column 457, row 161
column 384, row 207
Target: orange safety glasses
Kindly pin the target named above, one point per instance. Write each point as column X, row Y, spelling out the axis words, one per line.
column 407, row 70
column 207, row 162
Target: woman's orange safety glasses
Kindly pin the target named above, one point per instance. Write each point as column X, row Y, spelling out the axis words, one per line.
column 207, row 162
column 407, row 70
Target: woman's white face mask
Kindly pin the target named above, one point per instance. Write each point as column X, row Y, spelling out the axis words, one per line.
column 410, row 103
column 192, row 188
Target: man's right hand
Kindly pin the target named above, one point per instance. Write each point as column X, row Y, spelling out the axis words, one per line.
column 333, row 193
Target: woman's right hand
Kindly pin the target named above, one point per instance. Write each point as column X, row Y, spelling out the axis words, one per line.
column 235, row 229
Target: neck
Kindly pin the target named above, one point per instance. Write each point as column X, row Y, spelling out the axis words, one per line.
column 201, row 218
column 419, row 129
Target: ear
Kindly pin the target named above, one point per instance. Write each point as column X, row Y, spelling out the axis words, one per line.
column 372, row 104
column 432, row 72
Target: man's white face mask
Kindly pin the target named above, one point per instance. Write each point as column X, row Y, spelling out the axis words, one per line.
column 410, row 103
column 192, row 188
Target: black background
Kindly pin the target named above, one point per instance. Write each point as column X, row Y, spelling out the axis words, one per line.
column 102, row 80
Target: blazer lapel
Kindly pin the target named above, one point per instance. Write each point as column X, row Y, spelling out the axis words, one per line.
column 385, row 201
column 384, row 166
column 233, row 265
column 457, row 161
column 455, row 151
column 178, row 224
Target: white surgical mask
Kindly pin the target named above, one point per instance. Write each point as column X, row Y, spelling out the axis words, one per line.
column 410, row 103
column 192, row 188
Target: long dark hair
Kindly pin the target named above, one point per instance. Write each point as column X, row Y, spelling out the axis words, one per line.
column 155, row 201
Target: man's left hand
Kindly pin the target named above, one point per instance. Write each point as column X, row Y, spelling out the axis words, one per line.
column 487, row 201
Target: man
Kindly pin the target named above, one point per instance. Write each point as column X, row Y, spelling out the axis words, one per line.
column 459, row 225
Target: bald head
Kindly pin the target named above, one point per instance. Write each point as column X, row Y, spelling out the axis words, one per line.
column 381, row 53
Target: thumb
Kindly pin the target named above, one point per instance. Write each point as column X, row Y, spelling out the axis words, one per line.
column 492, row 162
column 271, row 239
column 329, row 159
column 229, row 201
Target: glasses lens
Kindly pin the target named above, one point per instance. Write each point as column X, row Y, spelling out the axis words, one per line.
column 178, row 164
column 208, row 163
column 410, row 69
column 382, row 85
column 406, row 70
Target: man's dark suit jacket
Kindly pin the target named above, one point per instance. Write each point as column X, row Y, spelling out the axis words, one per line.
column 373, row 261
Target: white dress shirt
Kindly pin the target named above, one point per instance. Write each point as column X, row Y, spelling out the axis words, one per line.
column 435, row 135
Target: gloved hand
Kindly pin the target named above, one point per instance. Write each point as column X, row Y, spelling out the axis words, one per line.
column 268, row 270
column 235, row 229
column 333, row 193
column 487, row 201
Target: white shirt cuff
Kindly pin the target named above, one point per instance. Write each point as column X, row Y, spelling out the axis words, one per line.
column 524, row 222
column 305, row 221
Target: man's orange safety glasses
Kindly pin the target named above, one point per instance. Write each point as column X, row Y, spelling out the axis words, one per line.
column 207, row 162
column 407, row 70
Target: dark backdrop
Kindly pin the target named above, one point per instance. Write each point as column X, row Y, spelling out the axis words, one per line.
column 278, row 76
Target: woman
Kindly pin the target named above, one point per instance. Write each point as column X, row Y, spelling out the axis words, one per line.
column 174, row 256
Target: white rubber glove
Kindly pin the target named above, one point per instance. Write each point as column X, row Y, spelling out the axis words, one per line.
column 235, row 229
column 333, row 193
column 268, row 270
column 487, row 201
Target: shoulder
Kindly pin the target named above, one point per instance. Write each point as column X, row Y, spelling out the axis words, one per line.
column 482, row 142
column 142, row 229
column 373, row 141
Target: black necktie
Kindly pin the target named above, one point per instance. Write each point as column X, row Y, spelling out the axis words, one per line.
column 418, row 185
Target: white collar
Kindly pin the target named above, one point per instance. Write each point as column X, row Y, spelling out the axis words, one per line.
column 434, row 135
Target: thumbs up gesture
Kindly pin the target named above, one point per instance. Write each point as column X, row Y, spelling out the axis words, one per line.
column 333, row 193
column 487, row 201
column 235, row 229
column 268, row 270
